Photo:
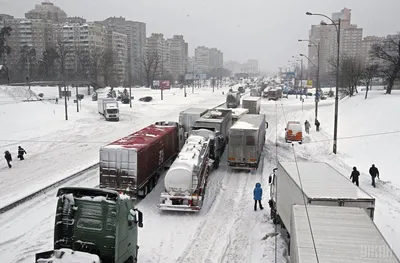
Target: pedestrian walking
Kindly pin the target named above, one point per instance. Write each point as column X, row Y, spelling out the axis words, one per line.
column 374, row 172
column 307, row 126
column 8, row 157
column 56, row 100
column 317, row 124
column 21, row 153
column 257, row 193
column 354, row 176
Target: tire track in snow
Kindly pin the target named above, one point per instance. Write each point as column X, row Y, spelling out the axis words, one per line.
column 210, row 239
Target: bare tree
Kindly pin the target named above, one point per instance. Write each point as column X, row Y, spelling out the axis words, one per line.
column 4, row 48
column 62, row 55
column 389, row 53
column 369, row 73
column 94, row 58
column 150, row 66
column 351, row 71
column 107, row 67
column 26, row 63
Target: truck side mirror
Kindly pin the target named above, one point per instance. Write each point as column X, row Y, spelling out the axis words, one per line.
column 186, row 135
column 266, row 125
column 270, row 179
column 140, row 219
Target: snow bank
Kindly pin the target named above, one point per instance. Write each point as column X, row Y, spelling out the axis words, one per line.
column 244, row 125
column 65, row 255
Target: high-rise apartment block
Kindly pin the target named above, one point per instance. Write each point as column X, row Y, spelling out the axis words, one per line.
column 136, row 39
column 208, row 59
column 178, row 56
column 47, row 11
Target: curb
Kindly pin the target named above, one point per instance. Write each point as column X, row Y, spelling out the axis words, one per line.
column 44, row 189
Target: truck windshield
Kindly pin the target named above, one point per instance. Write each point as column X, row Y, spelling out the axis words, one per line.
column 111, row 111
column 95, row 217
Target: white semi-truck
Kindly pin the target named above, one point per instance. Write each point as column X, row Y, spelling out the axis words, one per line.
column 109, row 108
column 316, row 182
column 186, row 179
column 340, row 234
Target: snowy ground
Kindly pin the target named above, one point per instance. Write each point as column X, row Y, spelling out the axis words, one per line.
column 57, row 148
column 227, row 229
column 367, row 134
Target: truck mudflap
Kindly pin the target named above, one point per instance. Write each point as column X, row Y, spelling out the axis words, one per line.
column 243, row 166
column 186, row 203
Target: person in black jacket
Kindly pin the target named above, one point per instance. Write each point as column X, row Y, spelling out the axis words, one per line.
column 8, row 157
column 354, row 176
column 374, row 172
column 21, row 153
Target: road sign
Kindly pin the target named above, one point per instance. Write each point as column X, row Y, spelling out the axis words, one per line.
column 195, row 76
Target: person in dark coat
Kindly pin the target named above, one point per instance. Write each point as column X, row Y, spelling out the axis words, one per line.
column 307, row 126
column 354, row 176
column 21, row 153
column 257, row 193
column 317, row 124
column 374, row 172
column 8, row 157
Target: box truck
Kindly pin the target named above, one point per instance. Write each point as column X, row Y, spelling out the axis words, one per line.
column 253, row 104
column 321, row 185
column 108, row 107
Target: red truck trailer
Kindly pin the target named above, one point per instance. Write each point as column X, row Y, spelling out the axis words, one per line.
column 132, row 164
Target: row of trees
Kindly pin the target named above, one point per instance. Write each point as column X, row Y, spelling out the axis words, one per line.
column 384, row 63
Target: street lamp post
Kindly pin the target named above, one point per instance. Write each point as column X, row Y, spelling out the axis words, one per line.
column 337, row 26
column 318, row 88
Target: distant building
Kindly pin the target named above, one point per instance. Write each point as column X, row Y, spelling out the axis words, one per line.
column 136, row 39
column 76, row 20
column 208, row 60
column 366, row 47
column 178, row 56
column 47, row 11
column 117, row 43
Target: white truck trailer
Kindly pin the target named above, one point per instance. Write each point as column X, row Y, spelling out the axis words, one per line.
column 108, row 107
column 188, row 117
column 237, row 113
column 186, row 179
column 322, row 185
column 341, row 235
column 253, row 104
column 246, row 142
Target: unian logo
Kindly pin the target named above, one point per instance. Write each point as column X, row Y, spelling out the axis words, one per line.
column 376, row 251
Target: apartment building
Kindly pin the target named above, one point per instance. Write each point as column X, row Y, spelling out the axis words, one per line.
column 366, row 47
column 178, row 56
column 136, row 39
column 208, row 59
column 47, row 11
column 117, row 43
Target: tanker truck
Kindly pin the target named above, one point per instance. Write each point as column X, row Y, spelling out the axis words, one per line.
column 93, row 225
column 186, row 180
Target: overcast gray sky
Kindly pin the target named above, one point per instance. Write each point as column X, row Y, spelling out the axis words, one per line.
column 262, row 29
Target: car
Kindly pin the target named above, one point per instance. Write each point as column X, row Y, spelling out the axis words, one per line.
column 294, row 132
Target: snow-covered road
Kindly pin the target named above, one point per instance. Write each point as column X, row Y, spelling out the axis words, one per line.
column 226, row 229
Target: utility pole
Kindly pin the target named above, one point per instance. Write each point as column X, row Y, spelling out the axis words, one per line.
column 77, row 100
column 318, row 95
column 337, row 90
column 65, row 101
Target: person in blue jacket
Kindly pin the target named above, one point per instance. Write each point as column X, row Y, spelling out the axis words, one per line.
column 257, row 193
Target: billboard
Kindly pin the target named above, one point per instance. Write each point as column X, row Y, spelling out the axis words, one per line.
column 161, row 84
column 309, row 84
column 195, row 76
column 165, row 84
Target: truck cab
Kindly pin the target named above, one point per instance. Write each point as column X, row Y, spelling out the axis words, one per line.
column 94, row 222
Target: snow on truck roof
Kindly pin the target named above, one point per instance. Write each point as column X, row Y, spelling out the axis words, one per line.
column 320, row 180
column 251, row 99
column 249, row 122
column 142, row 138
column 337, row 237
column 194, row 110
